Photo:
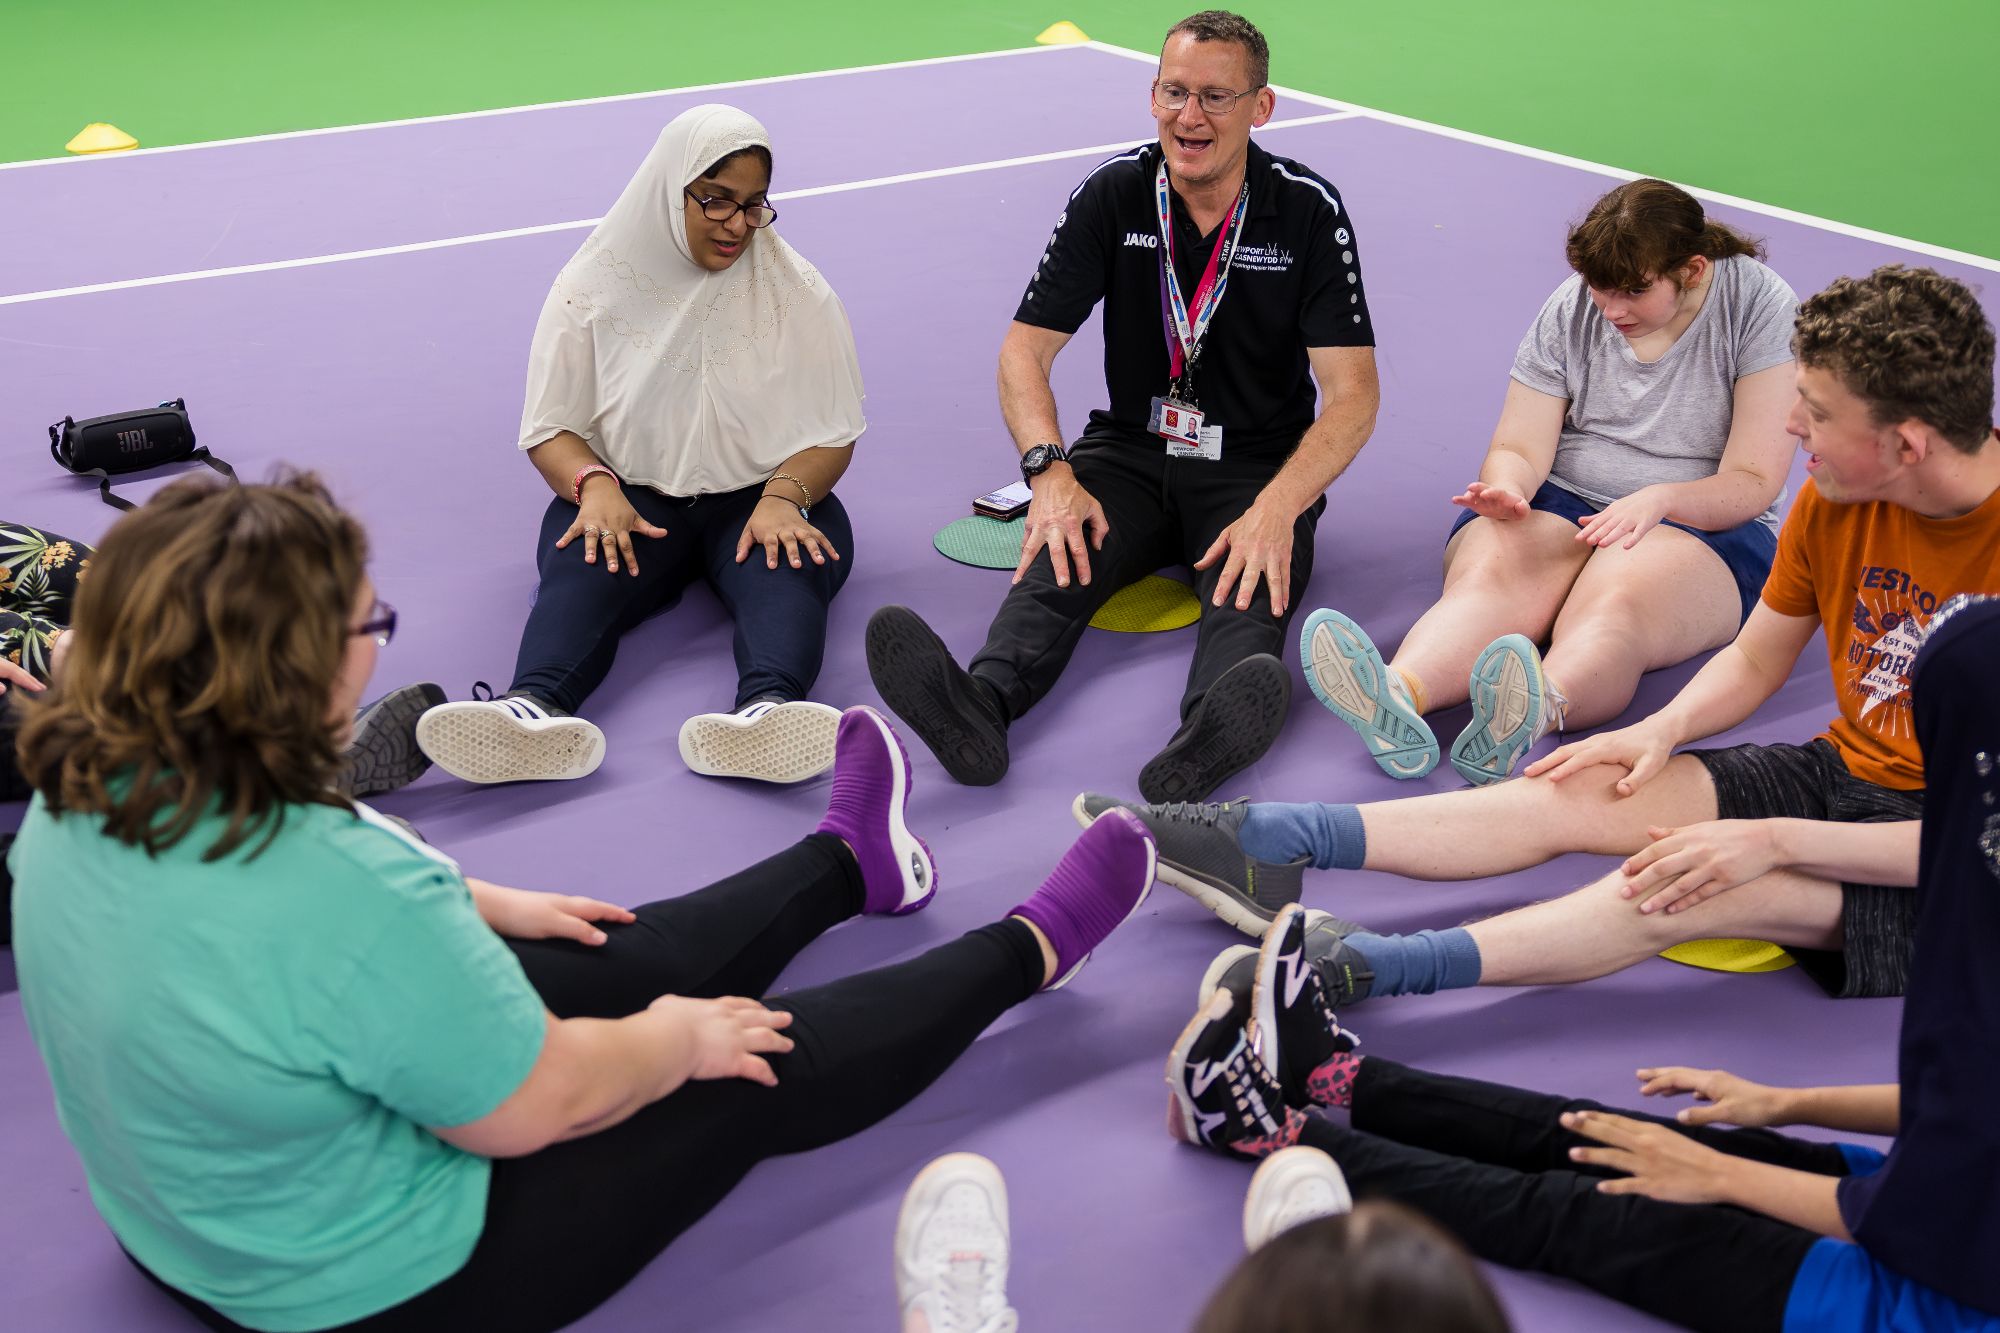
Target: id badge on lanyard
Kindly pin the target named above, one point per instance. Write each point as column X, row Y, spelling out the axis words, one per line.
column 1176, row 417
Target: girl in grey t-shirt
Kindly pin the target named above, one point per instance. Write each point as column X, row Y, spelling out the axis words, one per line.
column 1627, row 511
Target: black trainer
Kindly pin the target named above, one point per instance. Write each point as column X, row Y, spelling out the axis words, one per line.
column 1291, row 1016
column 1294, row 1030
column 383, row 753
column 1229, row 730
column 1201, row 854
column 949, row 711
column 1223, row 1097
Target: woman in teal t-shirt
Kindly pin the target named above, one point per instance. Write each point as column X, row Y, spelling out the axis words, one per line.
column 311, row 1083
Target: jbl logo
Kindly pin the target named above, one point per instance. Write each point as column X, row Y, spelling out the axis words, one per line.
column 133, row 442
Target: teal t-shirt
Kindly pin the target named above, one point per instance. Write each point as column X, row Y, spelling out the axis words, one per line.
column 245, row 1053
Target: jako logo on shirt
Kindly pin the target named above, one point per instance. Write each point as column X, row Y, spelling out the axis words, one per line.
column 1141, row 238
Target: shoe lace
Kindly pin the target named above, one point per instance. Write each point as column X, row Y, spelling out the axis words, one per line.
column 1201, row 814
column 971, row 1298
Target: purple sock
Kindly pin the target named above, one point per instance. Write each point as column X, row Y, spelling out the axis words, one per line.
column 871, row 785
column 1099, row 882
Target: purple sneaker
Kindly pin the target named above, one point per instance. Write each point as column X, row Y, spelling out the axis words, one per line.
column 871, row 786
column 1098, row 884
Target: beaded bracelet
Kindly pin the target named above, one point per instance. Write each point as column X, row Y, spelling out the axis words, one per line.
column 584, row 474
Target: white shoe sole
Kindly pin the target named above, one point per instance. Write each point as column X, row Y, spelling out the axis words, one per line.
column 1227, row 906
column 478, row 742
column 1292, row 1186
column 790, row 743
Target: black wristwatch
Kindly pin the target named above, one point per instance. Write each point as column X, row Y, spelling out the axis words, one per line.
column 1039, row 459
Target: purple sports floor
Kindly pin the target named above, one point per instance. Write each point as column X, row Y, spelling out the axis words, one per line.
column 296, row 292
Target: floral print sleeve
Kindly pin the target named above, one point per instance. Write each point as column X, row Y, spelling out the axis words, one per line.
column 39, row 572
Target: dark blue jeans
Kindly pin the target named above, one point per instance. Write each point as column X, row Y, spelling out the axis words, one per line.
column 581, row 610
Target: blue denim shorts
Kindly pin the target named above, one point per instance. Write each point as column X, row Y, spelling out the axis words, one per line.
column 1746, row 549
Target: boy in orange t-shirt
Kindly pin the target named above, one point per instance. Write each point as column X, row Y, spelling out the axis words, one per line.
column 1811, row 846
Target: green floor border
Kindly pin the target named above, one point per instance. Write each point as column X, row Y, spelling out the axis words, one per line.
column 1852, row 111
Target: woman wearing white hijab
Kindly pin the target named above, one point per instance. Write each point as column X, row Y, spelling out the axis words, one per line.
column 693, row 396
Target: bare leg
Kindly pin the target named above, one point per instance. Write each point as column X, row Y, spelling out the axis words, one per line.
column 1499, row 578
column 1594, row 932
column 1513, row 825
column 1630, row 612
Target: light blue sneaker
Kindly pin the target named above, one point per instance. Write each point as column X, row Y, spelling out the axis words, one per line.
column 1348, row 675
column 1510, row 697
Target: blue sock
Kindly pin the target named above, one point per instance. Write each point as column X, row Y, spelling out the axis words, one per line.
column 1331, row 835
column 1430, row 960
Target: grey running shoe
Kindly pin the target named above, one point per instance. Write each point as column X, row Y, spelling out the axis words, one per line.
column 1229, row 730
column 382, row 754
column 1201, row 856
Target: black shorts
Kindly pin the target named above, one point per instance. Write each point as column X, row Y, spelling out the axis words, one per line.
column 1809, row 781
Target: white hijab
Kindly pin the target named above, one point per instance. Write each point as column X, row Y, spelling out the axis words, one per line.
column 682, row 379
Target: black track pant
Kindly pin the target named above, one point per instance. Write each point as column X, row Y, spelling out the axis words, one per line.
column 568, row 1226
column 1491, row 1164
column 1163, row 511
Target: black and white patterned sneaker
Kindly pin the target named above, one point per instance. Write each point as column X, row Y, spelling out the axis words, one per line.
column 1294, row 1029
column 512, row 739
column 382, row 754
column 1229, row 730
column 1223, row 1097
column 1291, row 1017
column 1201, row 854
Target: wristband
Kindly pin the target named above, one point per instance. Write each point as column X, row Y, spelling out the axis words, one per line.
column 584, row 474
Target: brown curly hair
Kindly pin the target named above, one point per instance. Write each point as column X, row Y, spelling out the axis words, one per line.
column 206, row 645
column 1911, row 343
column 1648, row 229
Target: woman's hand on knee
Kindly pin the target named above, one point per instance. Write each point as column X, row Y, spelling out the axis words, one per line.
column 777, row 522
column 1723, row 1096
column 606, row 521
column 1492, row 502
column 730, row 1037
column 1684, row 866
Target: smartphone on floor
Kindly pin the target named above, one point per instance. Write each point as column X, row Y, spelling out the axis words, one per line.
column 1005, row 503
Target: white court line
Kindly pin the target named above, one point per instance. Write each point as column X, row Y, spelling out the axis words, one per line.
column 530, row 106
column 1617, row 173
column 477, row 238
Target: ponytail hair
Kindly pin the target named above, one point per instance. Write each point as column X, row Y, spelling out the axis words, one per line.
column 1646, row 230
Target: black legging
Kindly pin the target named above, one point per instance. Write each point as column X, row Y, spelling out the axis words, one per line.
column 1491, row 1163
column 568, row 1226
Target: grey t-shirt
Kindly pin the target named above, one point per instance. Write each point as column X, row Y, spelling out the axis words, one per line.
column 1632, row 424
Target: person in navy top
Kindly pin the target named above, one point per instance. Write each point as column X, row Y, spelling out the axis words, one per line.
column 1232, row 297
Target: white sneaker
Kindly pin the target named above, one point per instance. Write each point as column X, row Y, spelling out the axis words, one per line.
column 508, row 740
column 1294, row 1185
column 771, row 742
column 951, row 1249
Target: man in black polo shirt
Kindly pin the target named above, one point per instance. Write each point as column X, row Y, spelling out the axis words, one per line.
column 1231, row 282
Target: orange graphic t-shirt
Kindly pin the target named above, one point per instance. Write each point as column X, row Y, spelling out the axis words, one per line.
column 1875, row 574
